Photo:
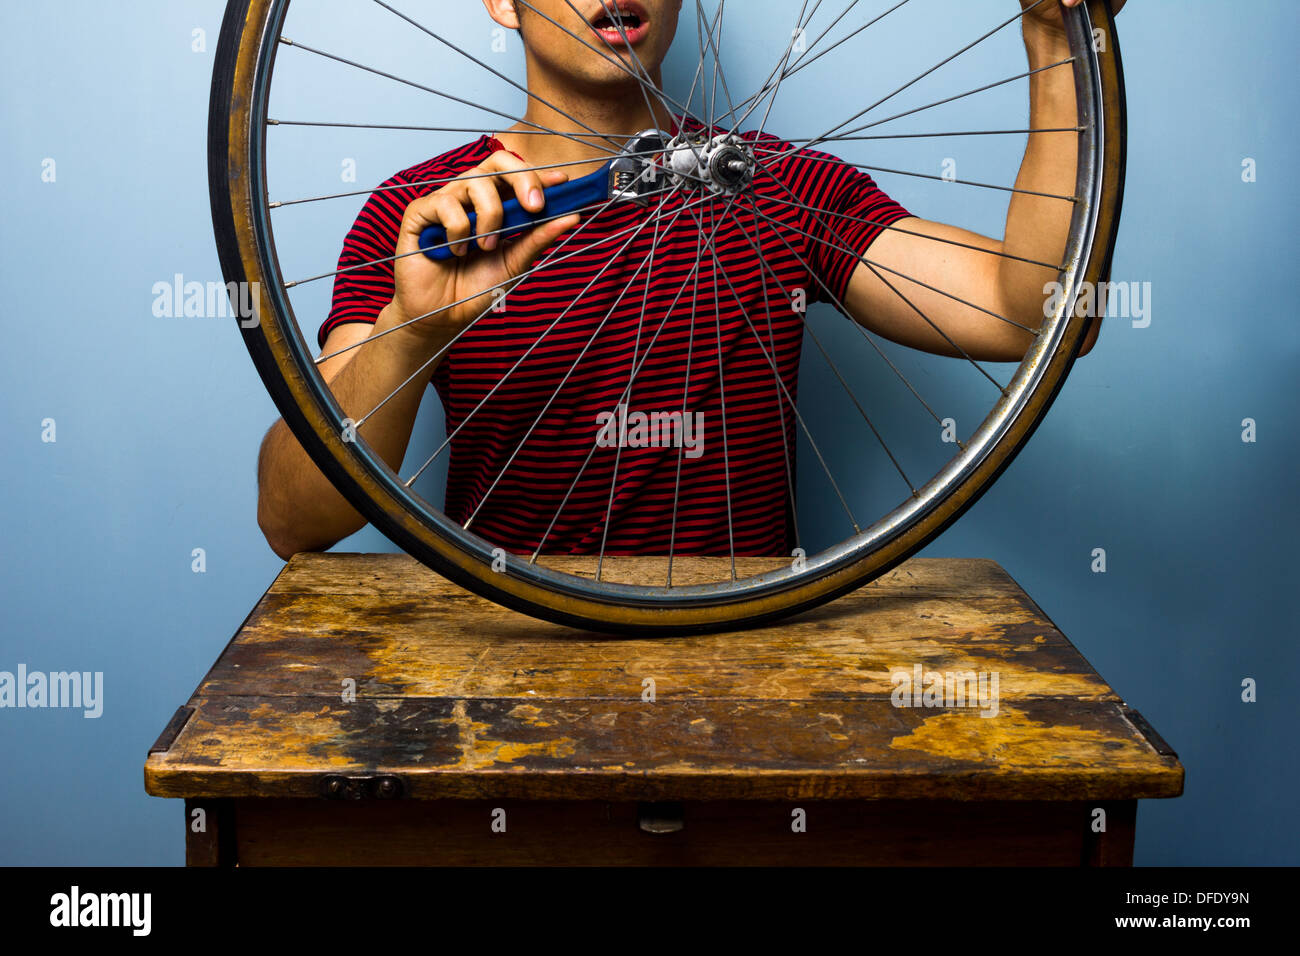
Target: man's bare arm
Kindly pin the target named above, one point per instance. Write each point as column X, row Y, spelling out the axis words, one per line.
column 1036, row 228
column 298, row 509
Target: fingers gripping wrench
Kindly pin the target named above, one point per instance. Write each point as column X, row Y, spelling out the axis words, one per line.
column 633, row 176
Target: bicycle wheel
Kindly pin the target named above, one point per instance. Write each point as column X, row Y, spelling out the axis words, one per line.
column 667, row 593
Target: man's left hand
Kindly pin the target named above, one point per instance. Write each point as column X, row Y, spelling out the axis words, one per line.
column 1048, row 12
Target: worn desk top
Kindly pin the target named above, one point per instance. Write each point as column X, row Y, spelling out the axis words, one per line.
column 463, row 699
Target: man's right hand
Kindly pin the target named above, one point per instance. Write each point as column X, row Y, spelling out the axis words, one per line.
column 426, row 289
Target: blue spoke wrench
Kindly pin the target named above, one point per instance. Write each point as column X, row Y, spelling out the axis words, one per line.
column 633, row 177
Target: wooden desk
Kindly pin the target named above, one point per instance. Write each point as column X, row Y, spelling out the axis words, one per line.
column 467, row 716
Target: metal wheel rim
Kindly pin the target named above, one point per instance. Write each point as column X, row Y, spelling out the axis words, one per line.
column 237, row 142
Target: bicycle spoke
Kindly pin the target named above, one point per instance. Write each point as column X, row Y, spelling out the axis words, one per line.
column 553, row 259
column 596, row 444
column 446, row 129
column 922, row 76
column 645, row 82
column 714, row 27
column 771, row 342
column 802, row 62
column 618, row 63
column 690, row 94
column 776, row 371
column 442, row 180
column 648, row 85
column 572, row 368
column 433, row 359
column 717, row 64
column 636, row 349
column 758, row 252
column 695, row 80
column 492, row 391
column 686, row 391
column 958, row 182
column 713, row 95
column 875, row 268
column 908, row 232
column 699, row 36
column 835, row 300
column 785, row 61
column 965, row 132
column 722, row 399
column 428, row 89
column 849, row 134
column 909, row 278
column 497, row 73
column 444, row 245
column 752, row 101
column 915, row 281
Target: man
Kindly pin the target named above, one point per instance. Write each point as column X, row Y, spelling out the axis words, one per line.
column 682, row 313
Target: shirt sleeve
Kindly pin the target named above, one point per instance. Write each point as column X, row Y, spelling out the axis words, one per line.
column 847, row 212
column 364, row 283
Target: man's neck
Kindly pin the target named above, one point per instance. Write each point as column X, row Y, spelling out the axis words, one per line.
column 614, row 113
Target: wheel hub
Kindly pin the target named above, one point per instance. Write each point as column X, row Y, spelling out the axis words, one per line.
column 652, row 163
column 722, row 164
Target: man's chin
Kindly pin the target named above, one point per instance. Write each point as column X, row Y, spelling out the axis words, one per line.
column 609, row 81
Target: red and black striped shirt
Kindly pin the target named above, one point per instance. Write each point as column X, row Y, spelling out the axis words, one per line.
column 604, row 467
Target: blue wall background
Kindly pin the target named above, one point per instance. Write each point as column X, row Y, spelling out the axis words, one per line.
column 159, row 419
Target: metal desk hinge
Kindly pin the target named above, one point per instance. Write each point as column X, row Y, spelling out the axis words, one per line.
column 660, row 817
column 172, row 730
column 1149, row 732
column 387, row 786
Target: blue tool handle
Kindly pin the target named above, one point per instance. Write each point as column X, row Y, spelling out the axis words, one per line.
column 565, row 198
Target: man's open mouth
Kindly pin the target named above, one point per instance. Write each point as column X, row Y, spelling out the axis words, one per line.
column 616, row 19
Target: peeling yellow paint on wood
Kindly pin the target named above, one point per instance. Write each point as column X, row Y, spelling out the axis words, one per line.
column 1014, row 739
column 464, row 698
